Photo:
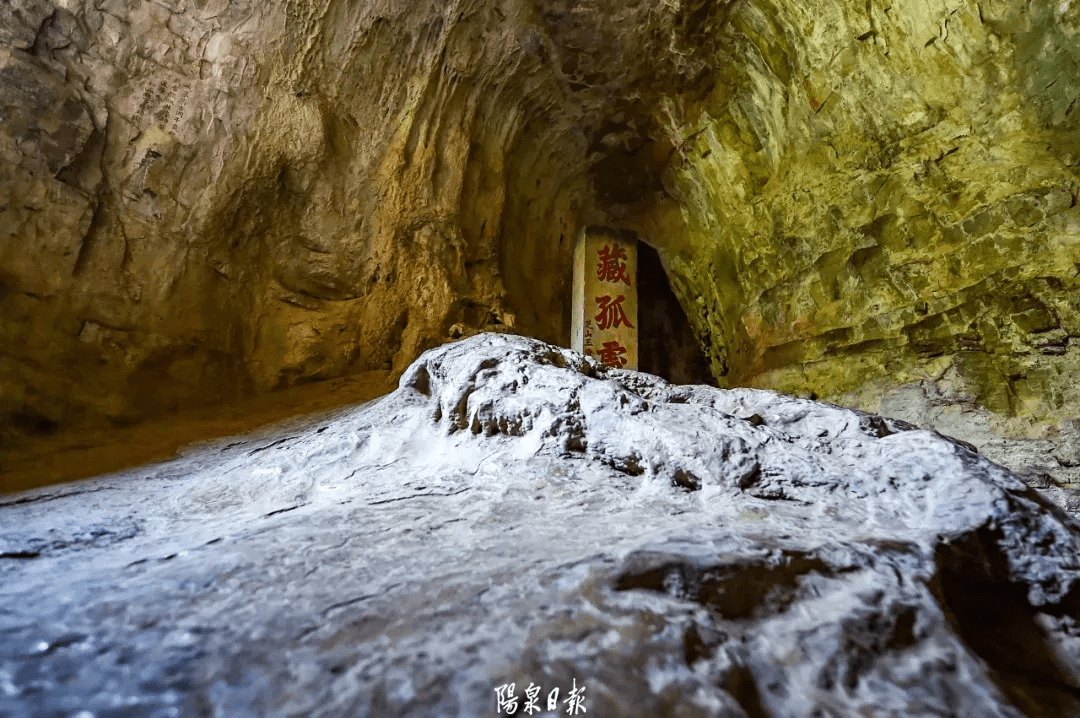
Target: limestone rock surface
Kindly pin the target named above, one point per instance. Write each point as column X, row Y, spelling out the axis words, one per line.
column 202, row 199
column 879, row 195
column 515, row 513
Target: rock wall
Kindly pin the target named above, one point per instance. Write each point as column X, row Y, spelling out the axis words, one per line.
column 205, row 199
column 882, row 197
column 208, row 198
column 887, row 190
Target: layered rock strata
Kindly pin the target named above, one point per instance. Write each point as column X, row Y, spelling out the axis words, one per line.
column 201, row 199
column 882, row 198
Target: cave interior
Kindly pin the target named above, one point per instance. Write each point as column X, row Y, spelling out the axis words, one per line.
column 247, row 247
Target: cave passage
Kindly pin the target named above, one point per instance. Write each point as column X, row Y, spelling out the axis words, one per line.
column 667, row 346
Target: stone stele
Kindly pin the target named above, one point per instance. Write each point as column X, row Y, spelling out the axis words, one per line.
column 604, row 324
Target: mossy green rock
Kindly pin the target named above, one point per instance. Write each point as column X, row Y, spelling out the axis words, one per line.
column 882, row 191
column 200, row 200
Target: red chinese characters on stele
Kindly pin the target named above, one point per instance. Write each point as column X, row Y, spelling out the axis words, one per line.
column 605, row 311
column 612, row 354
column 612, row 314
column 611, row 268
column 612, row 265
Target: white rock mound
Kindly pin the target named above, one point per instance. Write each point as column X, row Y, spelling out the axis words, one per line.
column 518, row 514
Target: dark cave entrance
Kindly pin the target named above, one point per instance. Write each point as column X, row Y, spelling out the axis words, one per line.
column 650, row 332
column 667, row 346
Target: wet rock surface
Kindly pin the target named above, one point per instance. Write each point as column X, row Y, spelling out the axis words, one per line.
column 1044, row 454
column 515, row 513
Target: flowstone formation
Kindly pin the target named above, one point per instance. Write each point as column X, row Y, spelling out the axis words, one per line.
column 202, row 199
column 517, row 513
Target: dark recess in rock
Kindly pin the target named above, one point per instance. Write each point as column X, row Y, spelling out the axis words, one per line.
column 667, row 346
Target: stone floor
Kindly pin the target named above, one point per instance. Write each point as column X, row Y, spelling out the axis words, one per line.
column 514, row 514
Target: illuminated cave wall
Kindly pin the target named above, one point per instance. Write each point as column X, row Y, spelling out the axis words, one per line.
column 204, row 199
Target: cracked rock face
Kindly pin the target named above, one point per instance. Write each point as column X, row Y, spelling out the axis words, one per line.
column 516, row 513
column 203, row 199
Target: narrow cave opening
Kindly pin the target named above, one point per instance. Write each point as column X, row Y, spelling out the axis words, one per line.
column 640, row 324
column 667, row 346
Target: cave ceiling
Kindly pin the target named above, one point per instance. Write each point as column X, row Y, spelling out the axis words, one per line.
column 206, row 199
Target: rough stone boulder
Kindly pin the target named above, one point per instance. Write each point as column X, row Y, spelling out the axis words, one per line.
column 516, row 513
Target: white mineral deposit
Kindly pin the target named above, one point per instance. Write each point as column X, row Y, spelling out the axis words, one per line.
column 515, row 513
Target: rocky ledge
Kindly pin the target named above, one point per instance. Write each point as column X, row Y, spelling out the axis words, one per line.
column 517, row 514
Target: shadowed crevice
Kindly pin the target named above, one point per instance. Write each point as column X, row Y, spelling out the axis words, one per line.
column 734, row 591
column 992, row 616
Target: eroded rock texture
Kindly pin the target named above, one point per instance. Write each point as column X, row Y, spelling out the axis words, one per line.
column 883, row 195
column 205, row 198
column 517, row 513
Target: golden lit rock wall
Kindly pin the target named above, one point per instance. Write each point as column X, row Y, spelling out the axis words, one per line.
column 201, row 199
column 886, row 190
